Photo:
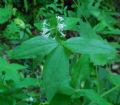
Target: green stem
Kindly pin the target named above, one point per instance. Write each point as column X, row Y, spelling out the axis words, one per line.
column 98, row 81
column 109, row 91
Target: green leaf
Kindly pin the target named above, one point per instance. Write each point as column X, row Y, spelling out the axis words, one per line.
column 60, row 99
column 12, row 31
column 105, row 16
column 86, row 31
column 105, row 26
column 88, row 46
column 81, row 70
column 56, row 72
column 38, row 25
column 27, row 82
column 7, row 100
column 22, row 103
column 10, row 70
column 102, row 59
column 99, row 27
column 93, row 96
column 5, row 14
column 37, row 46
column 89, row 7
column 3, row 88
column 71, row 23
column 114, row 78
column 113, row 31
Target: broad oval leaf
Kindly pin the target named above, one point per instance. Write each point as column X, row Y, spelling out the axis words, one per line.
column 56, row 72
column 34, row 47
column 89, row 46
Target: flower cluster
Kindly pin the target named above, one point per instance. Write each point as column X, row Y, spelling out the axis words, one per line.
column 60, row 24
column 45, row 29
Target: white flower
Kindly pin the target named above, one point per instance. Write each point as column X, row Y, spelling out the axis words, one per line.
column 60, row 24
column 45, row 23
column 45, row 32
column 30, row 99
column 45, row 29
column 59, row 18
column 61, row 27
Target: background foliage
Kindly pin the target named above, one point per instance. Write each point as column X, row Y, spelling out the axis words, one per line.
column 59, row 52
